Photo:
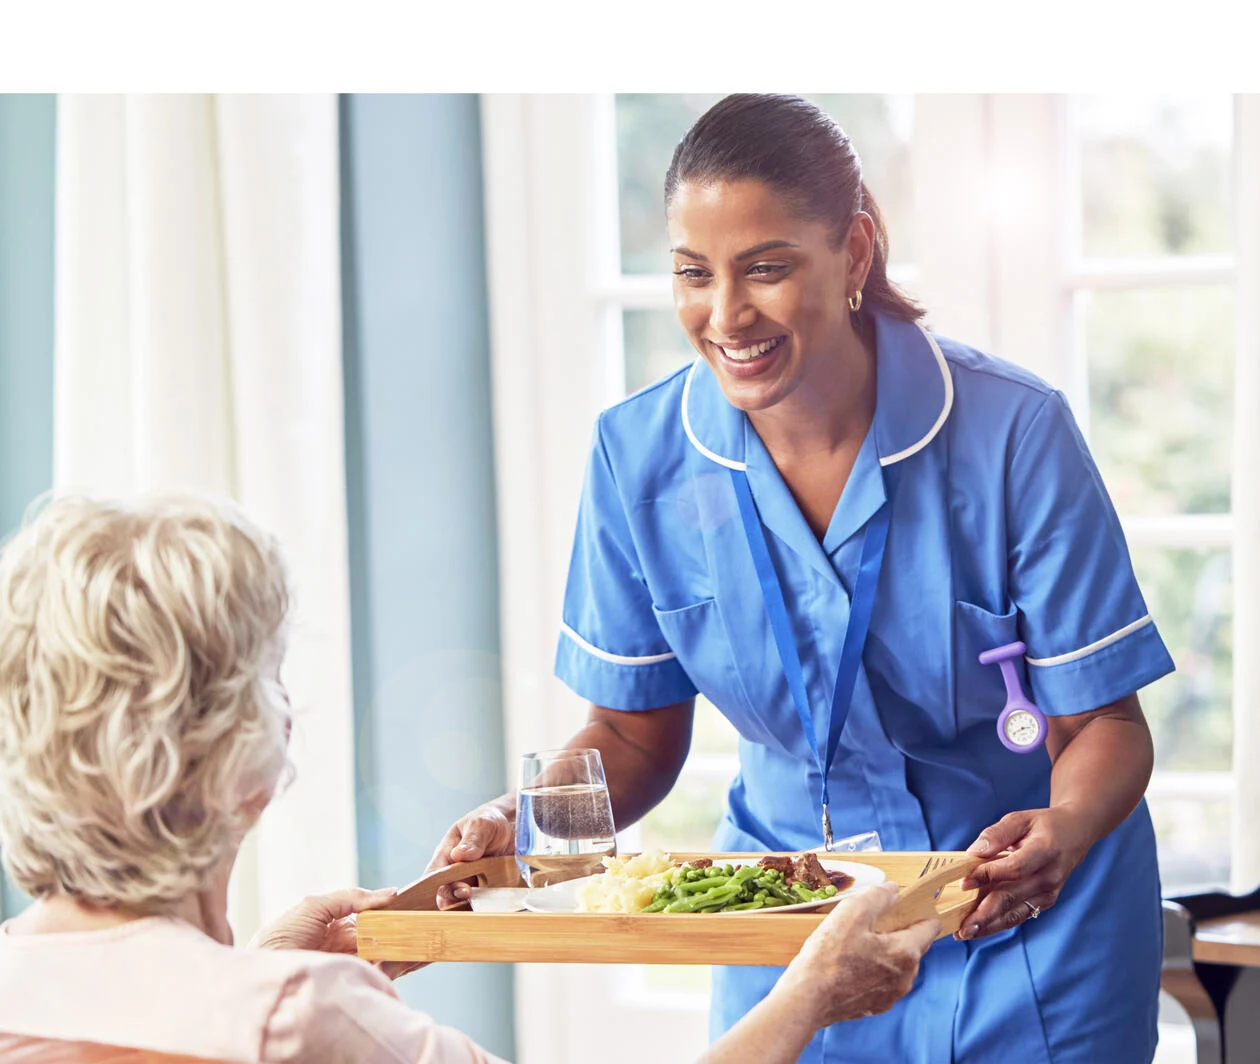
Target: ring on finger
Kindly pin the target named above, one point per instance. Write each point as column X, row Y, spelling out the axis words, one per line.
column 1033, row 910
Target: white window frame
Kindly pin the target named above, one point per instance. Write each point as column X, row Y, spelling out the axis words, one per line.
column 994, row 269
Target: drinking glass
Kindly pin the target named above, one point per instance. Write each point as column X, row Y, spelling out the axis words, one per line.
column 564, row 823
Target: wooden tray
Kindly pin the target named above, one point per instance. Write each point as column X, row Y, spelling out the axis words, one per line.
column 412, row 929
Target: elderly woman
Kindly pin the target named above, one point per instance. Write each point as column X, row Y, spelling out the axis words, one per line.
column 143, row 729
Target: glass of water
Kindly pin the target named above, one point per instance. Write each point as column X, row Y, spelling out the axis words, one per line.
column 564, row 823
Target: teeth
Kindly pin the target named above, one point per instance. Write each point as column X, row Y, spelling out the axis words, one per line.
column 747, row 354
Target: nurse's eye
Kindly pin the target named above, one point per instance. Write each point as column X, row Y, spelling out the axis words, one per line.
column 691, row 274
column 768, row 270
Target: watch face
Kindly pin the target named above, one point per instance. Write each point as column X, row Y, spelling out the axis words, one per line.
column 1022, row 729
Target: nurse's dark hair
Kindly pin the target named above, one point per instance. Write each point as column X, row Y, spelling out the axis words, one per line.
column 800, row 152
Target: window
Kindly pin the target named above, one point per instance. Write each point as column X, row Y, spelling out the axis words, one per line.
column 1151, row 275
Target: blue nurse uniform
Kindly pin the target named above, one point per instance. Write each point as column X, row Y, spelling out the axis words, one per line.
column 1001, row 530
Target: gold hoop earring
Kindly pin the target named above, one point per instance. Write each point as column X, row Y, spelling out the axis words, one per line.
column 855, row 301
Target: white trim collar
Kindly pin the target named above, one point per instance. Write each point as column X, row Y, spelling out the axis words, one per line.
column 946, row 406
column 730, row 463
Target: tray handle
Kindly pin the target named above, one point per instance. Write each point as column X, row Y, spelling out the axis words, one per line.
column 487, row 871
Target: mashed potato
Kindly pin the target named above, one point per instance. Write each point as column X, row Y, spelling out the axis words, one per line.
column 628, row 885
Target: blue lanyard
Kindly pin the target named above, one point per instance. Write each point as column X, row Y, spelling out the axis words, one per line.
column 874, row 539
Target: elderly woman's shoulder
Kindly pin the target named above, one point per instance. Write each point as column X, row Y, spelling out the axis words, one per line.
column 305, row 1004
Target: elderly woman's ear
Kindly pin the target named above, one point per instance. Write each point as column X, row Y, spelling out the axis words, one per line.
column 252, row 808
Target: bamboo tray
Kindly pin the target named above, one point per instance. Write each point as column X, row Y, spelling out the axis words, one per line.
column 412, row 928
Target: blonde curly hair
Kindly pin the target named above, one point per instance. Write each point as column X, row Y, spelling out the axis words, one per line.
column 140, row 704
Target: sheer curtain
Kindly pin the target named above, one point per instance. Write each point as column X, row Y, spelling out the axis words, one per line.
column 198, row 347
column 1245, row 503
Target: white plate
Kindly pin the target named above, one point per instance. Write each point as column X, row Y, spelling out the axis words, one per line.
column 562, row 897
column 498, row 899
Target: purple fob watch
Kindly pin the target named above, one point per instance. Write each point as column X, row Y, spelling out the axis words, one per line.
column 1022, row 726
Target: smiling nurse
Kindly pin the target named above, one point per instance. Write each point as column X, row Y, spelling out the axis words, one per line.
column 825, row 460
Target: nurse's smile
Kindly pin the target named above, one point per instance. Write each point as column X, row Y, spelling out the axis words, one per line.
column 749, row 358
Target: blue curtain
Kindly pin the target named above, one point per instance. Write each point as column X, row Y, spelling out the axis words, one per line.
column 27, row 150
column 420, row 479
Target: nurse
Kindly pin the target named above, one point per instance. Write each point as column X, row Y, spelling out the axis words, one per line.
column 826, row 465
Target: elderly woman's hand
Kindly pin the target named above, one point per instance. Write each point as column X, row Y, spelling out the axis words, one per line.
column 1033, row 852
column 847, row 969
column 488, row 831
column 323, row 922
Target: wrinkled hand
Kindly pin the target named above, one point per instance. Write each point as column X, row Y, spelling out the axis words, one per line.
column 1034, row 851
column 323, row 922
column 848, row 969
column 488, row 831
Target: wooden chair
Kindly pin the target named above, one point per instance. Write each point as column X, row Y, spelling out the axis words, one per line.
column 24, row 1049
column 1222, row 1000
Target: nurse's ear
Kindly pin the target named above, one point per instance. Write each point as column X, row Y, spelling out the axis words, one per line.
column 858, row 247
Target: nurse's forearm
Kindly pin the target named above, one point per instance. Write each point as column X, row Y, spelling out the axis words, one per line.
column 642, row 751
column 1102, row 765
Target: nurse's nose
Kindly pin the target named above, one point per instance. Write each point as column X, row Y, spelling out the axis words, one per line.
column 730, row 313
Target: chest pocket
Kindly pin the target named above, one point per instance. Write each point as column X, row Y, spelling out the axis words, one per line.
column 699, row 636
column 979, row 692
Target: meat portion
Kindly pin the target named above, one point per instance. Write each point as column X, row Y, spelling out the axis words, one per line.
column 779, row 864
column 807, row 869
column 810, row 872
column 701, row 862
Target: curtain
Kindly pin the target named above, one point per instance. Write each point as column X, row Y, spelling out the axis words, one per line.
column 198, row 347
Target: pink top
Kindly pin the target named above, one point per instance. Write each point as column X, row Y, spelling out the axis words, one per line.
column 161, row 984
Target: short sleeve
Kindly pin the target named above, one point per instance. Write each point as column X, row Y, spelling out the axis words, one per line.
column 611, row 650
column 341, row 1010
column 1091, row 639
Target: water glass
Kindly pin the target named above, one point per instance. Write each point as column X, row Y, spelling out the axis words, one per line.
column 564, row 823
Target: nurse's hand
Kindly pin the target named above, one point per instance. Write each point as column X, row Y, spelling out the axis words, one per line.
column 488, row 831
column 1034, row 851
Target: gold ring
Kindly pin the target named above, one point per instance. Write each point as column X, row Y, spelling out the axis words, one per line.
column 1033, row 910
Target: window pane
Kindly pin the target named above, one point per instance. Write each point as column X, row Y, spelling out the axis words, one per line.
column 687, row 985
column 1192, row 837
column 1161, row 404
column 655, row 346
column 688, row 817
column 712, row 732
column 649, row 125
column 1190, row 596
column 1155, row 175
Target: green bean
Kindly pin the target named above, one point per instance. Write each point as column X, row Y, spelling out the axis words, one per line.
column 704, row 884
column 714, row 898
column 782, row 893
